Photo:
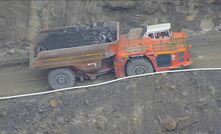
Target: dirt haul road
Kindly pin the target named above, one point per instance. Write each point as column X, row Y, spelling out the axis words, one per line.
column 20, row 79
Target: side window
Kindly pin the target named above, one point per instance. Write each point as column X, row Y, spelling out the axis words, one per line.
column 151, row 35
column 162, row 35
column 158, row 35
column 166, row 34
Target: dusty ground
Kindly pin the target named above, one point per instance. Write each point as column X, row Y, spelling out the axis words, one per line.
column 20, row 79
column 132, row 106
column 206, row 49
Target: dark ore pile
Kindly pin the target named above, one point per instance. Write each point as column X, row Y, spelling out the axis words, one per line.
column 80, row 35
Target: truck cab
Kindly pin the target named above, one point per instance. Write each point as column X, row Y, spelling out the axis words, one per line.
column 158, row 49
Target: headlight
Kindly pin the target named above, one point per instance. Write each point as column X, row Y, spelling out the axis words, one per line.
column 173, row 57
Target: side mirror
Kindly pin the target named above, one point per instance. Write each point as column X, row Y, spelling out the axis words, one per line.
column 170, row 33
column 145, row 35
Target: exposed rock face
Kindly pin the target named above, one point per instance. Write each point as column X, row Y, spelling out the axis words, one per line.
column 20, row 20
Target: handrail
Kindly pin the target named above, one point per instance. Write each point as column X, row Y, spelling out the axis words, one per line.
column 160, row 45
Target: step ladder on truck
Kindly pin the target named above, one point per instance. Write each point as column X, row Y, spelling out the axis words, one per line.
column 142, row 50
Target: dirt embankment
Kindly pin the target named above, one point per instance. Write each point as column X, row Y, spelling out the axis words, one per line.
column 20, row 21
column 133, row 106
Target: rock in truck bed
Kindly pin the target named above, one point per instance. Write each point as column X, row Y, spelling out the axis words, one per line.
column 79, row 35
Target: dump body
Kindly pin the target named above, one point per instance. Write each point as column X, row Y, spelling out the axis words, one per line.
column 86, row 57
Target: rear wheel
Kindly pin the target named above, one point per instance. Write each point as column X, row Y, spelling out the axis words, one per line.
column 138, row 66
column 61, row 78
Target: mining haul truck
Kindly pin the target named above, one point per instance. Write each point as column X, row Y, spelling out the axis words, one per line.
column 87, row 51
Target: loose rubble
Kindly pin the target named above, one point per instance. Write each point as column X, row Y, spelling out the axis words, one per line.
column 169, row 123
column 53, row 103
column 131, row 106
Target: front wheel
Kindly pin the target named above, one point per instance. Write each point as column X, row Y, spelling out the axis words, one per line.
column 61, row 78
column 137, row 66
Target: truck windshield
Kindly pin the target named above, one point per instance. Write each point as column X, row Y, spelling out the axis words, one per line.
column 161, row 35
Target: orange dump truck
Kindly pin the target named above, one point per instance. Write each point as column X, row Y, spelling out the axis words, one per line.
column 142, row 50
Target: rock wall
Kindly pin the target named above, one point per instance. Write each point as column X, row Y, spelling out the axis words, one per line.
column 20, row 20
column 184, row 103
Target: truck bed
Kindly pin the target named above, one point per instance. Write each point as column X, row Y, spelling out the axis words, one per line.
column 81, row 53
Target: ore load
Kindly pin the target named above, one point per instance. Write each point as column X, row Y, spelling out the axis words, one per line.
column 80, row 35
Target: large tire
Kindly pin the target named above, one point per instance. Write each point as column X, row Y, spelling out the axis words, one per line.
column 138, row 66
column 61, row 78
